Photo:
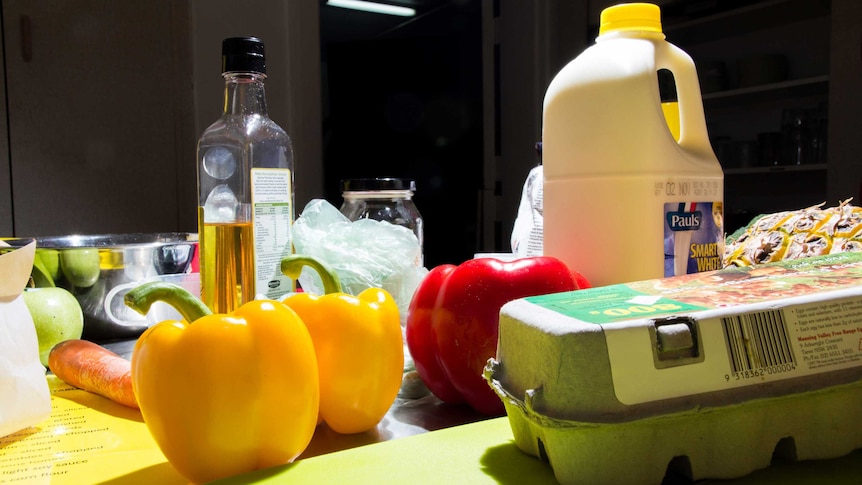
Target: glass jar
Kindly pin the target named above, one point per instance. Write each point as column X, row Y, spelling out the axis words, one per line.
column 384, row 199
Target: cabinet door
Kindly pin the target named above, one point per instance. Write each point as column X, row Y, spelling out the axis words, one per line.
column 765, row 75
column 845, row 103
column 99, row 108
column 5, row 172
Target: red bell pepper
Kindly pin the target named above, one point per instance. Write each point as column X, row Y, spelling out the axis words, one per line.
column 453, row 321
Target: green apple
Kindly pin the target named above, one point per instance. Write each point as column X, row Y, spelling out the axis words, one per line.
column 50, row 261
column 80, row 266
column 57, row 316
column 46, row 268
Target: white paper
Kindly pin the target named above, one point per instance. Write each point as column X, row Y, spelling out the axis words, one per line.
column 24, row 397
column 528, row 232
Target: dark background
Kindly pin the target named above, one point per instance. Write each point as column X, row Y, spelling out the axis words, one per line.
column 407, row 102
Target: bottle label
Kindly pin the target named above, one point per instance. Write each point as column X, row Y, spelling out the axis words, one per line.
column 693, row 237
column 272, row 213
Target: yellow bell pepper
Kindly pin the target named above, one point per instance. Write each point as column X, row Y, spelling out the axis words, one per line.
column 227, row 393
column 359, row 347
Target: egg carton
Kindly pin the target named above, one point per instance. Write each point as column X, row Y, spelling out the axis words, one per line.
column 708, row 375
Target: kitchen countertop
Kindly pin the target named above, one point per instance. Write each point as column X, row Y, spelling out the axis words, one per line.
column 406, row 417
column 89, row 439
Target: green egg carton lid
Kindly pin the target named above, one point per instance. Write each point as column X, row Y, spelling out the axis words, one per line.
column 693, row 366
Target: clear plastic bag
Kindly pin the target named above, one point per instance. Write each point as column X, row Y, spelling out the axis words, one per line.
column 365, row 253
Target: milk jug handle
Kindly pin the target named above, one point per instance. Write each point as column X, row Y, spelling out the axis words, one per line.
column 693, row 134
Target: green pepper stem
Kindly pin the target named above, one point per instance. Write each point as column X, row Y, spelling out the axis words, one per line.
column 292, row 266
column 142, row 298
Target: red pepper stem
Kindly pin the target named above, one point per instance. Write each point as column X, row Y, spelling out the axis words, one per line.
column 142, row 298
column 292, row 266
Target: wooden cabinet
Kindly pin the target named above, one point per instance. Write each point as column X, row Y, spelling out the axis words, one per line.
column 99, row 107
column 820, row 40
column 844, row 176
column 105, row 100
column 5, row 169
column 775, row 76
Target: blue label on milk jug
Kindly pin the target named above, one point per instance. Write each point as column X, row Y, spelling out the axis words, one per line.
column 693, row 239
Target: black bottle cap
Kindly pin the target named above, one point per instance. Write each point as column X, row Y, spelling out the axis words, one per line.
column 243, row 54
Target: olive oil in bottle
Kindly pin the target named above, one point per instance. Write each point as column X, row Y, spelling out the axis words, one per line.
column 226, row 256
column 245, row 188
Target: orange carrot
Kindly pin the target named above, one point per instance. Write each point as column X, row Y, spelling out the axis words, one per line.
column 93, row 368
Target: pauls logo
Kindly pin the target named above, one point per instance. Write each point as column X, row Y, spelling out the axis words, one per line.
column 684, row 220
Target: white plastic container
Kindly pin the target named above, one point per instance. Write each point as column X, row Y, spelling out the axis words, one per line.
column 623, row 199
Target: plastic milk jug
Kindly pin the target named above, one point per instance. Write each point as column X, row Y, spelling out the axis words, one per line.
column 624, row 200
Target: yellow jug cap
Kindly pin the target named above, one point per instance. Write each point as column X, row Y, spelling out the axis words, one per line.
column 631, row 17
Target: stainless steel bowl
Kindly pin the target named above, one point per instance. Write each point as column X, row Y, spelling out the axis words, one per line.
column 99, row 269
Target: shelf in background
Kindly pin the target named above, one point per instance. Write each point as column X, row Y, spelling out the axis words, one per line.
column 784, row 87
column 686, row 25
column 820, row 167
column 794, row 87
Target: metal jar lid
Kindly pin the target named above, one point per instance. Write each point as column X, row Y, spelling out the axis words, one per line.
column 377, row 184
